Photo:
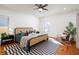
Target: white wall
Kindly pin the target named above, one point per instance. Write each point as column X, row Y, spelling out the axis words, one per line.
column 77, row 39
column 24, row 20
column 20, row 20
column 57, row 22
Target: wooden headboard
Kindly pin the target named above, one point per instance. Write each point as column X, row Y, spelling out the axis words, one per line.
column 23, row 29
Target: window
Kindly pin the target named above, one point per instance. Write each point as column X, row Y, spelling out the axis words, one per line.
column 4, row 24
column 4, row 21
column 46, row 27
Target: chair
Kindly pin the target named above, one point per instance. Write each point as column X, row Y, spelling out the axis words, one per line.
column 5, row 38
column 66, row 39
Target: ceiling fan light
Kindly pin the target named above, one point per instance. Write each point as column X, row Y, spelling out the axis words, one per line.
column 40, row 9
column 65, row 8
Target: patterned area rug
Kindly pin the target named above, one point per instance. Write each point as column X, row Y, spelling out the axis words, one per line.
column 43, row 48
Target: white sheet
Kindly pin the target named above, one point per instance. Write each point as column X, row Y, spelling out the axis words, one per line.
column 24, row 39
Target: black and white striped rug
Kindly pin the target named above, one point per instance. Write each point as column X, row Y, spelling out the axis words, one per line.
column 43, row 48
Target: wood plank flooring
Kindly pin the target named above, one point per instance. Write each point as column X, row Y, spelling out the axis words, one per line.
column 62, row 50
column 2, row 52
column 68, row 50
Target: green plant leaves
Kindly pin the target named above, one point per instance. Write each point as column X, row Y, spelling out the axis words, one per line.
column 71, row 29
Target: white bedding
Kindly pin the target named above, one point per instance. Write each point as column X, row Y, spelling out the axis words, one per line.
column 24, row 39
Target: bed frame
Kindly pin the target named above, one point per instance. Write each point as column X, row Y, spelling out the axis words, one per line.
column 33, row 41
column 37, row 40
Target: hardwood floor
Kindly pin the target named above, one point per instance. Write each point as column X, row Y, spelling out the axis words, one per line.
column 2, row 52
column 68, row 50
column 62, row 50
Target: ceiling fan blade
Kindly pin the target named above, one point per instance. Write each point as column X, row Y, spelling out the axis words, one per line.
column 45, row 9
column 45, row 5
column 38, row 5
column 35, row 8
column 41, row 6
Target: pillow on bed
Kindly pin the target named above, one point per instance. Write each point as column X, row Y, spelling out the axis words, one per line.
column 31, row 34
column 19, row 36
column 26, row 34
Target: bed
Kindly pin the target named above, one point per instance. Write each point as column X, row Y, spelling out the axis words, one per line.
column 21, row 31
column 31, row 40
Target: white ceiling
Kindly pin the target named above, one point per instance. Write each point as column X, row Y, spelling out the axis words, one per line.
column 52, row 8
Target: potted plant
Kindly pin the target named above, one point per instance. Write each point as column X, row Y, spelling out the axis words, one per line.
column 71, row 29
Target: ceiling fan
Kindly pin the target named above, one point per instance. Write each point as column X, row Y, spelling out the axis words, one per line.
column 41, row 7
